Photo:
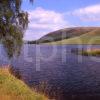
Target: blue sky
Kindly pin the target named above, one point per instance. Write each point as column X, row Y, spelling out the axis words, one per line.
column 50, row 15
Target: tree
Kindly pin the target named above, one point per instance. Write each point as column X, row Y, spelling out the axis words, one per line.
column 13, row 23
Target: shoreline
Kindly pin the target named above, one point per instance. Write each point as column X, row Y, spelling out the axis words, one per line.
column 15, row 89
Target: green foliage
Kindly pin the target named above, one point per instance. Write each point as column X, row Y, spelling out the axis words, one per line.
column 13, row 23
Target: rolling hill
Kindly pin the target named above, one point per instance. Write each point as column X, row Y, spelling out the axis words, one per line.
column 87, row 38
column 75, row 35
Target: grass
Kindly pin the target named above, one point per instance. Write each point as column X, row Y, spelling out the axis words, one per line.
column 14, row 89
column 90, row 52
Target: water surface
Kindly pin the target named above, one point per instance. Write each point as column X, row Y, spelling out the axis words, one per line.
column 57, row 71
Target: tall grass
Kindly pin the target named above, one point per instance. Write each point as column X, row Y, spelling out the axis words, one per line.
column 14, row 89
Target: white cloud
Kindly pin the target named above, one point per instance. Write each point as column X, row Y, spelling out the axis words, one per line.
column 43, row 21
column 89, row 13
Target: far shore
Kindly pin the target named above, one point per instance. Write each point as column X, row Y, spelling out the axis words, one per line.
column 89, row 52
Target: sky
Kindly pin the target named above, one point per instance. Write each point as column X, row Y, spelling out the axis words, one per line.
column 50, row 15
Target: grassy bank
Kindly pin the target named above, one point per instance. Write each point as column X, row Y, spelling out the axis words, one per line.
column 91, row 53
column 14, row 89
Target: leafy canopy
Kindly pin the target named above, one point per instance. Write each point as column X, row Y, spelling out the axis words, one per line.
column 13, row 23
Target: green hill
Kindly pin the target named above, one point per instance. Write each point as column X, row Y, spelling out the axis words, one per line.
column 87, row 38
column 74, row 35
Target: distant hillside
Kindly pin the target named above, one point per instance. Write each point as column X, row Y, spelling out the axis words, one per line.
column 64, row 35
column 87, row 38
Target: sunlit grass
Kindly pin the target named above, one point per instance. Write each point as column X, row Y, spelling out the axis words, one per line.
column 14, row 89
column 91, row 53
